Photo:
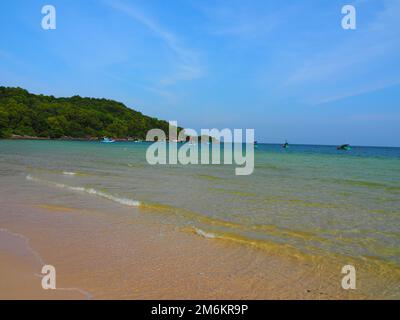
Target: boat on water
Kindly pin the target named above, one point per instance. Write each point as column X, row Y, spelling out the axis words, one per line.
column 344, row 147
column 107, row 140
column 285, row 145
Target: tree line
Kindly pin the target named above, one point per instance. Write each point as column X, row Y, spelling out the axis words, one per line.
column 26, row 114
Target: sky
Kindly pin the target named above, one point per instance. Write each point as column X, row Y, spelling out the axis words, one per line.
column 284, row 68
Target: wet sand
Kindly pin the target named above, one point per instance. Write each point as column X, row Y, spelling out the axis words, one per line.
column 124, row 258
column 116, row 229
column 20, row 268
column 115, row 252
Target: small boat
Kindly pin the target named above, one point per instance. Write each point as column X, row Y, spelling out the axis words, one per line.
column 344, row 147
column 107, row 140
column 285, row 145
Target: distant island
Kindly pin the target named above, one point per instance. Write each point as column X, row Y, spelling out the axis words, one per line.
column 27, row 115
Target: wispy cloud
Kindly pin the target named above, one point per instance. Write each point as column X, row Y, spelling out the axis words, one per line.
column 165, row 94
column 187, row 64
column 354, row 62
column 356, row 92
column 336, row 62
column 237, row 19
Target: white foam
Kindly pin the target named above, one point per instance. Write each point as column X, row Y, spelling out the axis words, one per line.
column 205, row 234
column 67, row 173
column 123, row 201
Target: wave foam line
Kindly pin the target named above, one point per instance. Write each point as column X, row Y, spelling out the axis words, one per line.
column 67, row 173
column 204, row 234
column 123, row 201
column 269, row 246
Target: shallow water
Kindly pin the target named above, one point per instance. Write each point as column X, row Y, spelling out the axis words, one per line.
column 312, row 198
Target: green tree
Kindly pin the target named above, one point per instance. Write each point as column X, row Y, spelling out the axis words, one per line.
column 118, row 129
column 24, row 113
column 3, row 124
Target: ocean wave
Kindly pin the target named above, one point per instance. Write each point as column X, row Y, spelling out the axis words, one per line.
column 67, row 173
column 123, row 201
column 278, row 248
column 244, row 226
column 39, row 170
column 371, row 185
column 204, row 234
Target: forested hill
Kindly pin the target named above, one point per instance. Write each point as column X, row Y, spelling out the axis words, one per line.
column 26, row 114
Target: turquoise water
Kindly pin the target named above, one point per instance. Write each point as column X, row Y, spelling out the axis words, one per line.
column 314, row 198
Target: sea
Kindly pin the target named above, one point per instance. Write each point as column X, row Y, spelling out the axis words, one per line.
column 314, row 198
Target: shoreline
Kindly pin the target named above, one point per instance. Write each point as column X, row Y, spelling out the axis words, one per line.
column 160, row 250
column 95, row 139
column 132, row 258
column 20, row 272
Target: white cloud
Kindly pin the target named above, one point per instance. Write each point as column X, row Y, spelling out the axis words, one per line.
column 187, row 64
column 240, row 20
column 355, row 92
column 352, row 67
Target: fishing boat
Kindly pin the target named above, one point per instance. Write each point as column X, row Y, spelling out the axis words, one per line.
column 344, row 147
column 107, row 140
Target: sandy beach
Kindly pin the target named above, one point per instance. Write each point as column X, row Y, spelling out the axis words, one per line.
column 200, row 150
column 98, row 257
column 20, row 272
column 170, row 265
column 115, row 228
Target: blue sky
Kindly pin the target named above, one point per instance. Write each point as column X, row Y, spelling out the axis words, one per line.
column 285, row 68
